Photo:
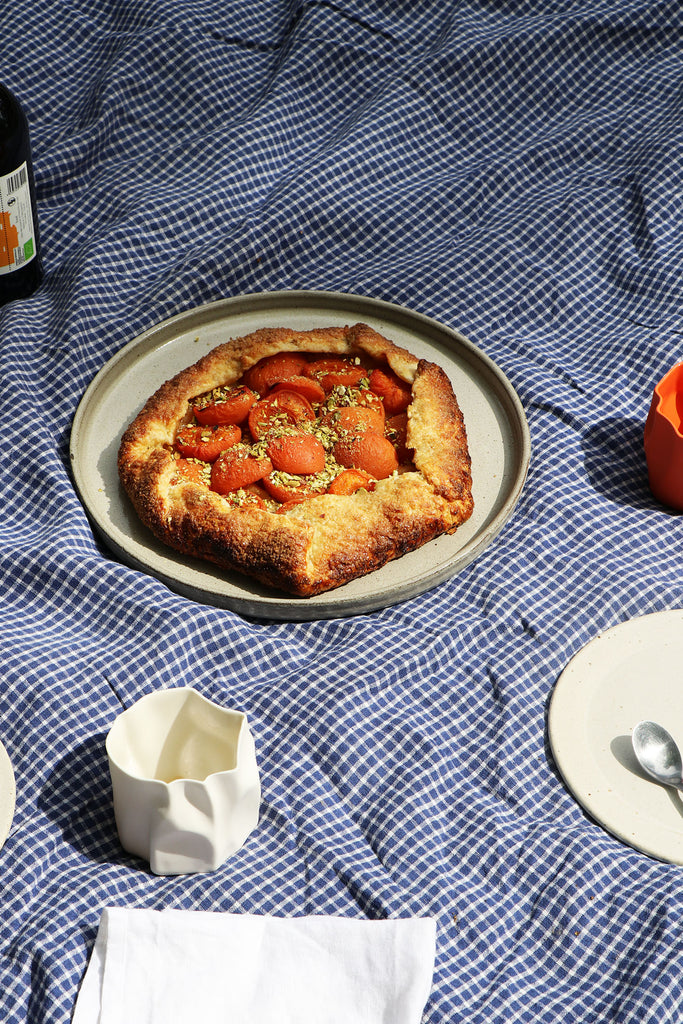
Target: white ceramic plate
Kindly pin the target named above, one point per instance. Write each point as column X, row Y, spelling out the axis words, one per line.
column 7, row 794
column 627, row 674
column 496, row 426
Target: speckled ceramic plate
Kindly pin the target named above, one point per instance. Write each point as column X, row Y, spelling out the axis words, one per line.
column 7, row 795
column 625, row 675
column 496, row 427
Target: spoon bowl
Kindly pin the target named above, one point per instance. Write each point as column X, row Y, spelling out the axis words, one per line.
column 658, row 754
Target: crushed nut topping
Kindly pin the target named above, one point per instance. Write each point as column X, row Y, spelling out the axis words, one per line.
column 325, row 428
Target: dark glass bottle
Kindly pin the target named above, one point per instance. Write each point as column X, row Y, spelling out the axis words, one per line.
column 20, row 266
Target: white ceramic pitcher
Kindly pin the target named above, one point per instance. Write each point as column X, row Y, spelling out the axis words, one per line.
column 185, row 781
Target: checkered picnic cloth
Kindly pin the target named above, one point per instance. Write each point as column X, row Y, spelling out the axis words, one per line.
column 510, row 169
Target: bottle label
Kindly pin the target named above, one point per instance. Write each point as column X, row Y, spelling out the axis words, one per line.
column 17, row 236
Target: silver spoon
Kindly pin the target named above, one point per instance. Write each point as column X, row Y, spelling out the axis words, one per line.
column 658, row 754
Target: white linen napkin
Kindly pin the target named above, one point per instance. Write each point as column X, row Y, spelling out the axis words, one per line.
column 199, row 967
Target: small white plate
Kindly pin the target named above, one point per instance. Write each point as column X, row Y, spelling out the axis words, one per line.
column 497, row 432
column 627, row 674
column 7, row 794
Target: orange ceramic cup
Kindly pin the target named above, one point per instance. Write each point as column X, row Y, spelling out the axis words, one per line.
column 664, row 439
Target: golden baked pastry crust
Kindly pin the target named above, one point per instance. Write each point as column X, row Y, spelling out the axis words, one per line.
column 328, row 539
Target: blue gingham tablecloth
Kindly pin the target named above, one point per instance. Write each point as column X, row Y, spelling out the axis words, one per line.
column 510, row 169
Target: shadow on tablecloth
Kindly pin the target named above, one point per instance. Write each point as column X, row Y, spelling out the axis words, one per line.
column 77, row 797
column 615, row 462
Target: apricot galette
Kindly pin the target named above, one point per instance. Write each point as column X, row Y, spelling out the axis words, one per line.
column 301, row 458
